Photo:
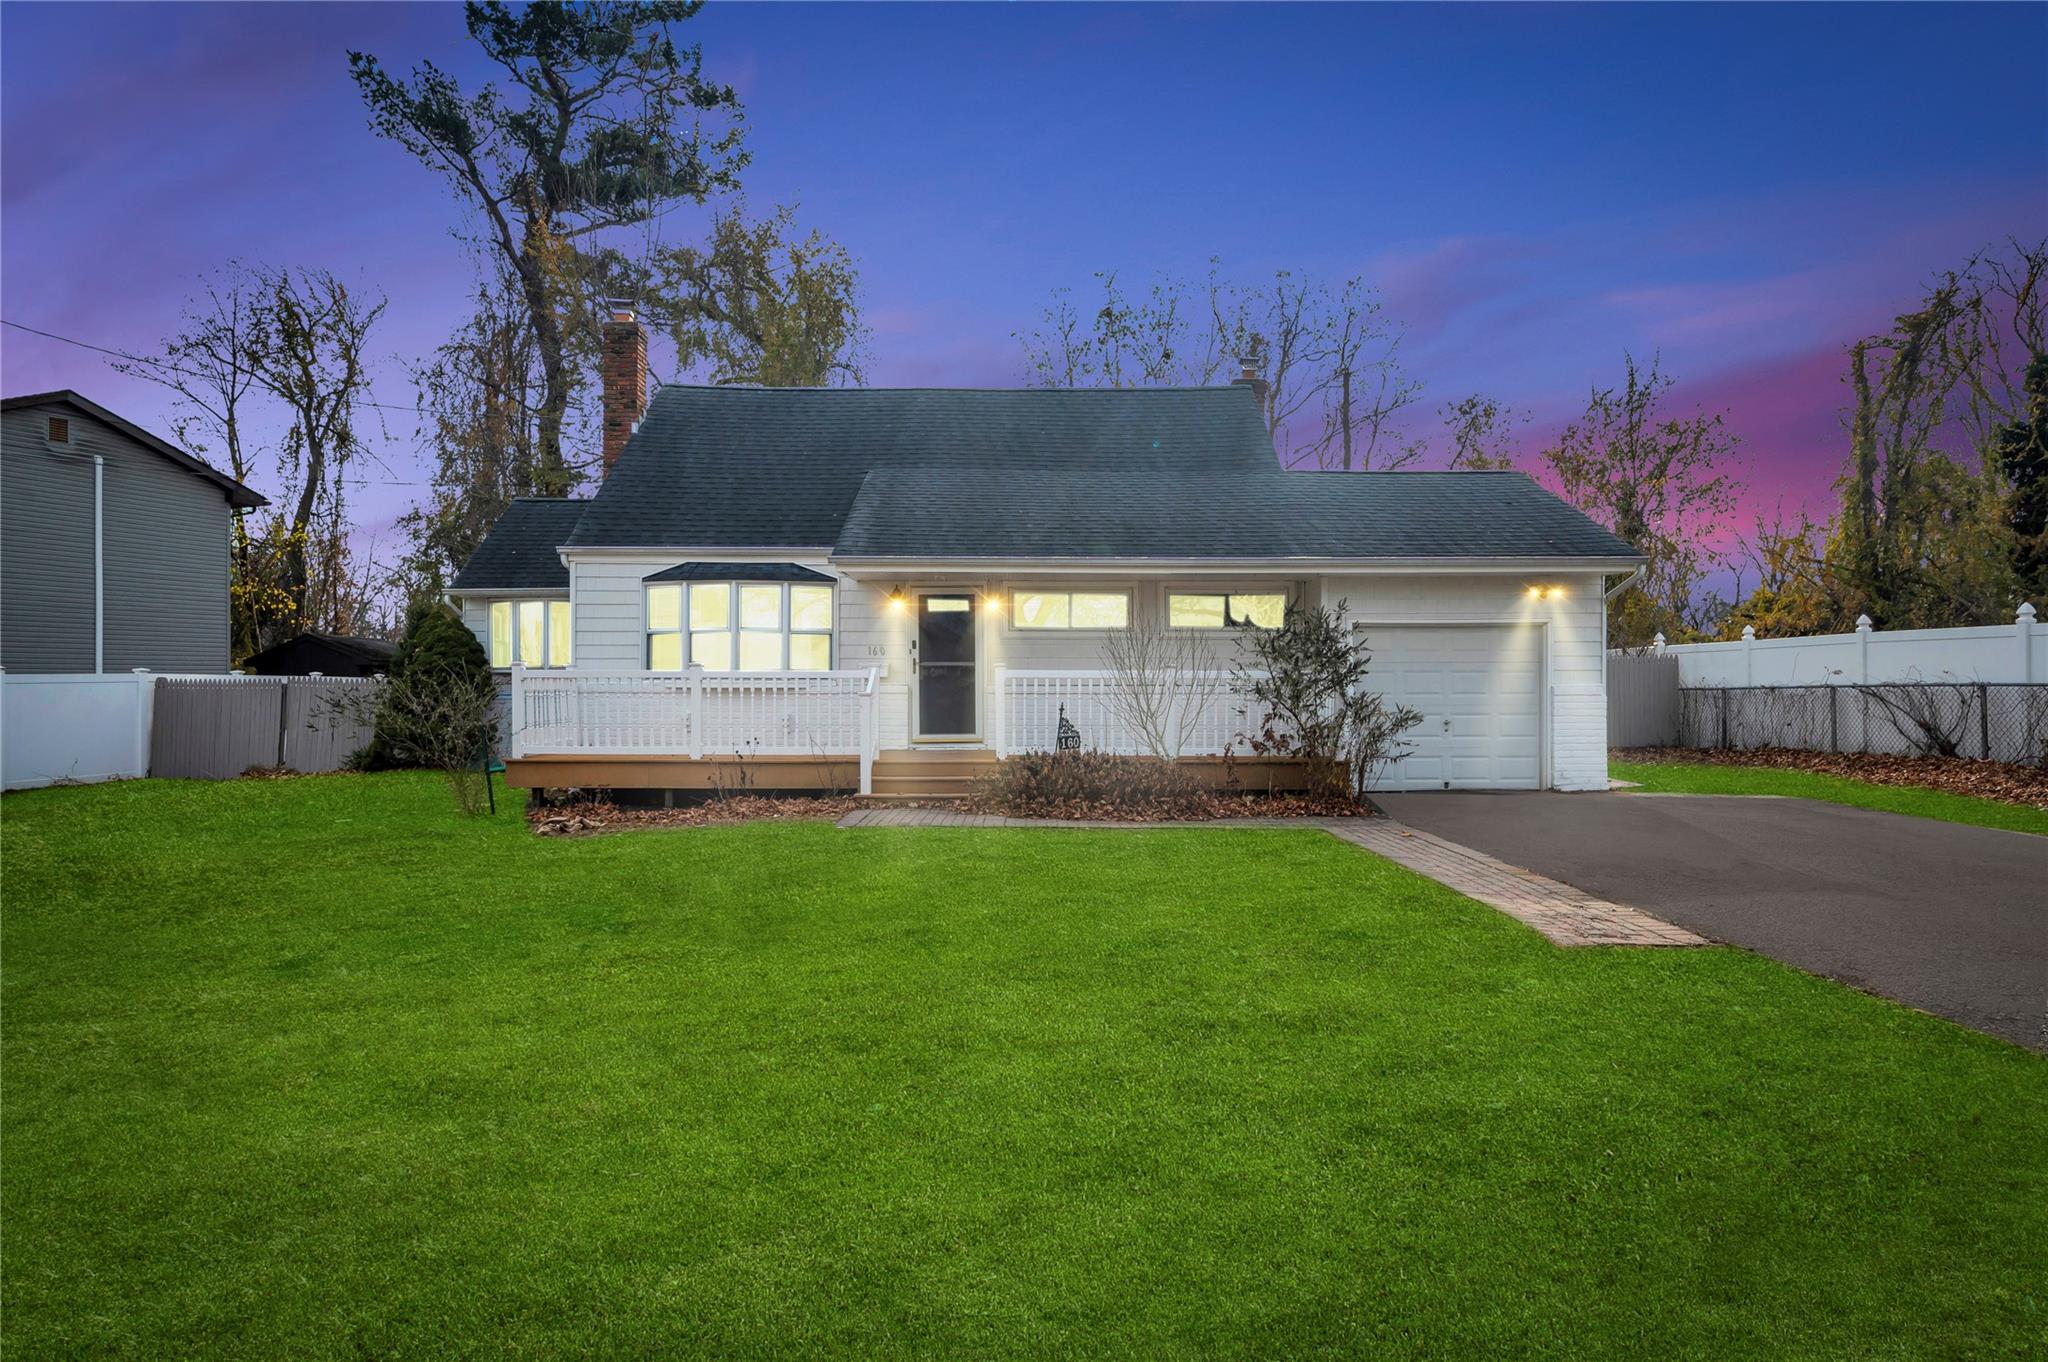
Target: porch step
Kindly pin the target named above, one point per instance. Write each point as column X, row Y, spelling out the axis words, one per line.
column 922, row 784
column 927, row 773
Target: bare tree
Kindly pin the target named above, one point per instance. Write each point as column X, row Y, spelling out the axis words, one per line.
column 1162, row 681
column 1329, row 356
column 1481, row 430
column 310, row 351
column 1922, row 539
column 254, row 343
column 1663, row 483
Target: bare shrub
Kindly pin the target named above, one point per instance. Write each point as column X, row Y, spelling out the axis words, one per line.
column 435, row 718
column 1066, row 784
column 1161, row 682
column 1925, row 716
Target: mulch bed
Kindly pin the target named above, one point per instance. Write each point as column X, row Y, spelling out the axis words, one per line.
column 1204, row 808
column 588, row 819
column 2002, row 781
column 584, row 819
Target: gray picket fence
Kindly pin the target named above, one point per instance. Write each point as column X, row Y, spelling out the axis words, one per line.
column 217, row 727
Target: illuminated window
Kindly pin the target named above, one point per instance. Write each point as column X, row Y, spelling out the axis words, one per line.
column 531, row 633
column 1235, row 610
column 1072, row 609
column 744, row 626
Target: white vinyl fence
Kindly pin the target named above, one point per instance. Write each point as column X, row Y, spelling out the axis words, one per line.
column 81, row 728
column 64, row 727
column 1979, row 692
column 1999, row 653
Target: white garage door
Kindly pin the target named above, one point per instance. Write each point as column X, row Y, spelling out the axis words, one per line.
column 1479, row 691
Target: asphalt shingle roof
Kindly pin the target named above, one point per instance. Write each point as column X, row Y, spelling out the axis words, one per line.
column 521, row 553
column 779, row 467
column 909, row 473
column 1119, row 513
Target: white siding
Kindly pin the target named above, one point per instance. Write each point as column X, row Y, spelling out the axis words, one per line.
column 874, row 633
column 870, row 632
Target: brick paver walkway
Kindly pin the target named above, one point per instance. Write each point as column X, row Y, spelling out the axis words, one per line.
column 1567, row 916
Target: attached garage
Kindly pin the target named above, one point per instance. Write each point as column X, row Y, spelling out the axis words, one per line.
column 1479, row 689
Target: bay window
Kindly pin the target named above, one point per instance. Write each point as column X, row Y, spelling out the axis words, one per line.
column 531, row 633
column 1226, row 610
column 739, row 626
column 1071, row 609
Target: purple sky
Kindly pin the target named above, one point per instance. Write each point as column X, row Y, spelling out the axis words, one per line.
column 1533, row 189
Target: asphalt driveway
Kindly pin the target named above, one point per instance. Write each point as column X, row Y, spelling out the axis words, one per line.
column 1947, row 918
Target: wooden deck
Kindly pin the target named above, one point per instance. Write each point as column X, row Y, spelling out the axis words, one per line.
column 936, row 772
column 683, row 773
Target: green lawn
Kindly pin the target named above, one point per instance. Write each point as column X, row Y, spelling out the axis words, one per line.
column 1679, row 777
column 317, row 1068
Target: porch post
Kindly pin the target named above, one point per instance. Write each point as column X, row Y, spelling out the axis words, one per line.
column 696, row 713
column 867, row 734
column 515, row 716
column 995, row 713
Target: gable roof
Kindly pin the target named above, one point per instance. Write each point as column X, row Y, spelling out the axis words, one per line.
column 238, row 495
column 920, row 513
column 780, row 467
column 521, row 553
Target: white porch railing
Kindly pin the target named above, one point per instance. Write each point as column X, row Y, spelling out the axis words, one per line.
column 1030, row 703
column 694, row 714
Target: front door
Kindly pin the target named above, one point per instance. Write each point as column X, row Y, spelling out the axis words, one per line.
column 944, row 666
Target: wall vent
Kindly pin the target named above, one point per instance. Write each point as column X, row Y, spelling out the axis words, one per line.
column 60, row 430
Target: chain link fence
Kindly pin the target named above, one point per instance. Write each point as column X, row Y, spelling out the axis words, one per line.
column 2000, row 721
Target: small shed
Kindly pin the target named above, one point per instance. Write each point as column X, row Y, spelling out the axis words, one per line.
column 327, row 654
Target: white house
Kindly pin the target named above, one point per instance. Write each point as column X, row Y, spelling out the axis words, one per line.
column 897, row 585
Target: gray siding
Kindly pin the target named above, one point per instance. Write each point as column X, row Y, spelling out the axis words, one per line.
column 166, row 546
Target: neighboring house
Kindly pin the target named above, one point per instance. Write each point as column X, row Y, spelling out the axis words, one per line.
column 921, row 579
column 325, row 654
column 113, row 544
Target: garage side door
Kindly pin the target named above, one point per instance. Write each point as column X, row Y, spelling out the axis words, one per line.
column 1479, row 691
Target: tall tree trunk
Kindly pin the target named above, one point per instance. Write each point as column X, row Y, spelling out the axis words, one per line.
column 551, row 477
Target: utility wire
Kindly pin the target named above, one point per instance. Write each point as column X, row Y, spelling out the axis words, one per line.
column 160, row 364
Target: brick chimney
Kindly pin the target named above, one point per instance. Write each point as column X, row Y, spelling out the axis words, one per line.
column 624, row 371
column 1249, row 378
